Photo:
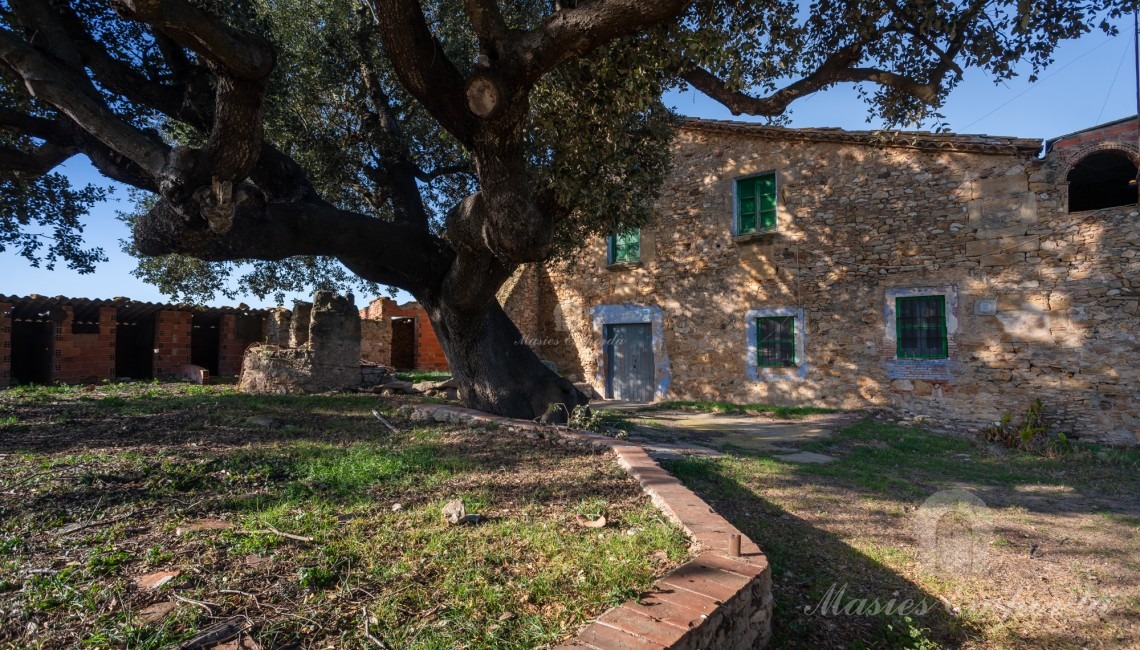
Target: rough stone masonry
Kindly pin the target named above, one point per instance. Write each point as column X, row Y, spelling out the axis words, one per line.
column 1040, row 301
column 324, row 353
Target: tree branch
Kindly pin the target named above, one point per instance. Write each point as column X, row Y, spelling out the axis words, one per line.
column 37, row 162
column 48, row 80
column 835, row 69
column 423, row 67
column 487, row 20
column 573, row 32
column 276, row 231
column 241, row 53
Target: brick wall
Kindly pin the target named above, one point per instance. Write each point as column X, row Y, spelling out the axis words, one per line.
column 429, row 352
column 5, row 345
column 172, row 342
column 858, row 220
column 231, row 347
column 85, row 358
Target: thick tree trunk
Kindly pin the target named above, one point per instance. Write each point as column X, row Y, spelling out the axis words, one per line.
column 497, row 372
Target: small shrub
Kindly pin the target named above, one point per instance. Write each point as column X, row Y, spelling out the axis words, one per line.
column 1030, row 436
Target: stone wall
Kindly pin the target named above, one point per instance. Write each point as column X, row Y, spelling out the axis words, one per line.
column 328, row 360
column 862, row 221
column 376, row 341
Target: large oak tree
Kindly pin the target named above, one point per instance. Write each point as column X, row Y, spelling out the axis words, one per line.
column 434, row 145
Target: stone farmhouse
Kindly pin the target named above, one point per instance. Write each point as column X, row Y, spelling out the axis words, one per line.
column 955, row 276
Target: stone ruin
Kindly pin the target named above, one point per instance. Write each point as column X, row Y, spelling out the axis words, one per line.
column 322, row 352
column 317, row 349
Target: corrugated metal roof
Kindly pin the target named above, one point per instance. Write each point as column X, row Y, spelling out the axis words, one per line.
column 925, row 140
column 42, row 307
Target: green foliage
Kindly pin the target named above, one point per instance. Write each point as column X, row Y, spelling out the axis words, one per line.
column 1031, row 435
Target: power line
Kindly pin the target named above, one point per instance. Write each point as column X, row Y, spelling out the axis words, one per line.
column 1112, row 85
column 1036, row 83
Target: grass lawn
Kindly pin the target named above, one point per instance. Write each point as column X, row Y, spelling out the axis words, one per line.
column 730, row 408
column 332, row 518
column 1059, row 566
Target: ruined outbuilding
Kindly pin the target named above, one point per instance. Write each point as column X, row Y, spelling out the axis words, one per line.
column 46, row 340
column 322, row 352
column 400, row 336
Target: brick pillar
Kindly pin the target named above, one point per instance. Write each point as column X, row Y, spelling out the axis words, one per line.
column 5, row 345
column 60, row 343
column 108, row 324
column 230, row 348
column 429, row 352
column 172, row 331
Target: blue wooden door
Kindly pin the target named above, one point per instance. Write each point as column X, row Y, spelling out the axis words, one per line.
column 629, row 362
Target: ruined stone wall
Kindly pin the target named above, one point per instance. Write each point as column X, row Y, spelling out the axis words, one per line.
column 328, row 360
column 376, row 341
column 858, row 226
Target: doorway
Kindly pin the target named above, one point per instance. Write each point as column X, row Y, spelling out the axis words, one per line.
column 134, row 348
column 32, row 343
column 205, row 340
column 404, row 343
column 628, row 350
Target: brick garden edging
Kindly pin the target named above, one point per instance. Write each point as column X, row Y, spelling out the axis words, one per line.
column 716, row 600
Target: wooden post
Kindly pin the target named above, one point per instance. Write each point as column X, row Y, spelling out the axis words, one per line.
column 734, row 545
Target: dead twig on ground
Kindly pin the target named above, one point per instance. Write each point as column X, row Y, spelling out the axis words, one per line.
column 273, row 531
column 368, row 630
column 197, row 603
column 384, row 422
column 75, row 528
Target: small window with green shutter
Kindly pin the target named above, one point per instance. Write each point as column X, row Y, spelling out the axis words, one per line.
column 755, row 203
column 920, row 327
column 625, row 247
column 776, row 341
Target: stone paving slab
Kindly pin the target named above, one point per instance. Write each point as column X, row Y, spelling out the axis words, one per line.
column 806, row 458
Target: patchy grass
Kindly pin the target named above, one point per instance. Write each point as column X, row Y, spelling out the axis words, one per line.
column 728, row 408
column 416, row 376
column 1061, row 568
column 95, row 483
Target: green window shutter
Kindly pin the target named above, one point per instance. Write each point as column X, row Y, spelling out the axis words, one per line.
column 920, row 328
column 776, row 341
column 625, row 247
column 756, row 203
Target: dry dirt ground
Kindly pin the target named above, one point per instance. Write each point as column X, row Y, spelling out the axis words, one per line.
column 1045, row 554
column 303, row 520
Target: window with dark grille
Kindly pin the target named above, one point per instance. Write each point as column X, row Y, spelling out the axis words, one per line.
column 776, row 341
column 625, row 247
column 755, row 203
column 920, row 327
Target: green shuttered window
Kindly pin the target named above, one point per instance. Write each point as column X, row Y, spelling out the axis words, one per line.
column 776, row 341
column 920, row 327
column 625, row 247
column 755, row 203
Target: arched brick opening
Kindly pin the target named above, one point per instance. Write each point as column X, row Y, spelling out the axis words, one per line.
column 1102, row 177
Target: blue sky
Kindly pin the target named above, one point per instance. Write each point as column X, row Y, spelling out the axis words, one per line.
column 1091, row 81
